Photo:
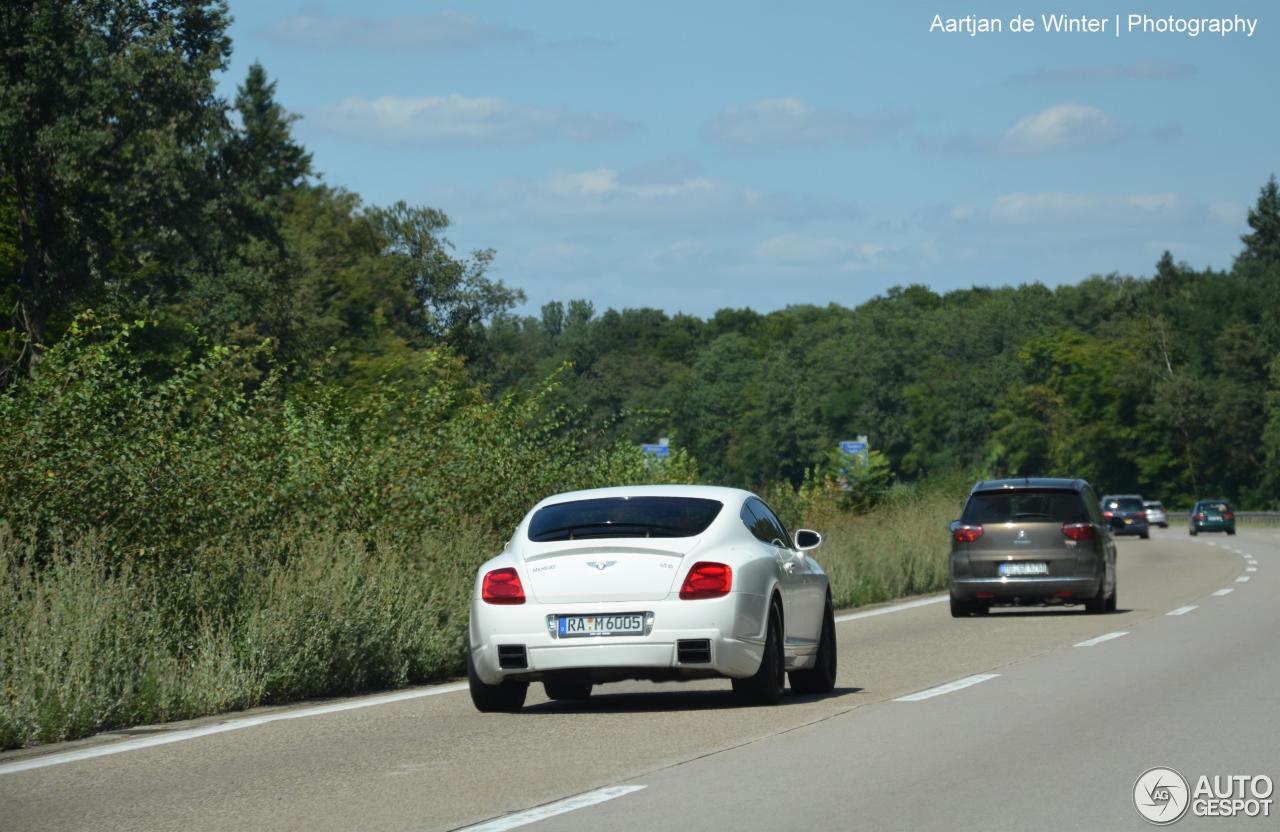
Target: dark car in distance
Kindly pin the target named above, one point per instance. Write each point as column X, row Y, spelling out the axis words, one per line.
column 1031, row 541
column 1211, row 516
column 1129, row 511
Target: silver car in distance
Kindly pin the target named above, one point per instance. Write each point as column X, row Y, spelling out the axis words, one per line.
column 661, row 582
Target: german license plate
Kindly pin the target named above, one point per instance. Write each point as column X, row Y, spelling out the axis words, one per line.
column 614, row 624
column 1024, row 568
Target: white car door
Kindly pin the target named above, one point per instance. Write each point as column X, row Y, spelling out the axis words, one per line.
column 769, row 530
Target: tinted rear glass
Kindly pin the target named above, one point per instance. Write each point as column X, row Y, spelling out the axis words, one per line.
column 623, row 517
column 1122, row 504
column 1024, row 507
column 1216, row 505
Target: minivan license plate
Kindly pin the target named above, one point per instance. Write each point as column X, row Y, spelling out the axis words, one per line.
column 1034, row 568
column 615, row 624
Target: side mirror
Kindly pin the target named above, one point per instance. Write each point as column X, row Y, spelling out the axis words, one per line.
column 807, row 539
column 955, row 524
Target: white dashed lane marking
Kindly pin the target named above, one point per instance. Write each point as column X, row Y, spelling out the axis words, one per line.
column 1223, row 592
column 550, row 810
column 1183, row 610
column 949, row 687
column 1099, row 639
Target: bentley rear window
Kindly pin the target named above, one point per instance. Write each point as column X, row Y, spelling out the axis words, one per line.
column 623, row 517
column 1024, row 507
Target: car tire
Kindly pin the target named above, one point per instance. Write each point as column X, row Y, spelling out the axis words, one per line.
column 1231, row 531
column 1191, row 532
column 960, row 609
column 764, row 687
column 1098, row 603
column 1146, row 535
column 567, row 691
column 504, row 697
column 1113, row 598
column 822, row 678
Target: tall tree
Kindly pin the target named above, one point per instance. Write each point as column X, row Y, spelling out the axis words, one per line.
column 263, row 155
column 1263, row 245
column 108, row 117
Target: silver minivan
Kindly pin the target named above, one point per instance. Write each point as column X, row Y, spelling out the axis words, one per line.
column 1031, row 541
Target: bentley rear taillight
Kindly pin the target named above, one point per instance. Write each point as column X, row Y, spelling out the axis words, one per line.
column 707, row 580
column 502, row 586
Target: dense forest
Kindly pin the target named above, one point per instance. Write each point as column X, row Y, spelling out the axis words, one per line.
column 259, row 434
column 131, row 192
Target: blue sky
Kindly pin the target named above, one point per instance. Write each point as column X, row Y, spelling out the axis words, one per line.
column 695, row 155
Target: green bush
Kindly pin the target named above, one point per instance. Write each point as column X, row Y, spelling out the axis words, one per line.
column 898, row 549
column 203, row 542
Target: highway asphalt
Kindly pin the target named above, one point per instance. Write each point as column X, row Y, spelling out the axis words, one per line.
column 1054, row 718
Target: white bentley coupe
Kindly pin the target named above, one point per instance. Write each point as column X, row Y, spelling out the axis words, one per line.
column 661, row 582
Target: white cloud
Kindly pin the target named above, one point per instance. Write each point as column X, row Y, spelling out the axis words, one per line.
column 1058, row 129
column 608, row 198
column 445, row 30
column 456, row 118
column 802, row 248
column 1062, row 127
column 1229, row 213
column 1138, row 71
column 782, row 122
column 1065, row 210
column 556, row 255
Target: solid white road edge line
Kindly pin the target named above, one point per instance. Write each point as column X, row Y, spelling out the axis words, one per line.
column 949, row 687
column 550, row 810
column 222, row 727
column 1222, row 592
column 909, row 605
column 1183, row 610
column 1102, row 638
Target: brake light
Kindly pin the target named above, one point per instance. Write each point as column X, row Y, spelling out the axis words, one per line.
column 1142, row 516
column 502, row 586
column 707, row 580
column 1108, row 514
column 967, row 534
column 1078, row 531
column 1226, row 515
column 1199, row 515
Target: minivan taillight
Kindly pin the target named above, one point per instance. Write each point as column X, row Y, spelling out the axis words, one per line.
column 967, row 534
column 1078, row 531
column 1107, row 515
column 707, row 580
column 1142, row 516
column 502, row 586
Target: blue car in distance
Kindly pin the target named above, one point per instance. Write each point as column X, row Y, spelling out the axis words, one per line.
column 1126, row 514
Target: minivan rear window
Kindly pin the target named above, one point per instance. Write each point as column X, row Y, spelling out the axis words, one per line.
column 1030, row 506
column 1123, row 504
column 623, row 517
